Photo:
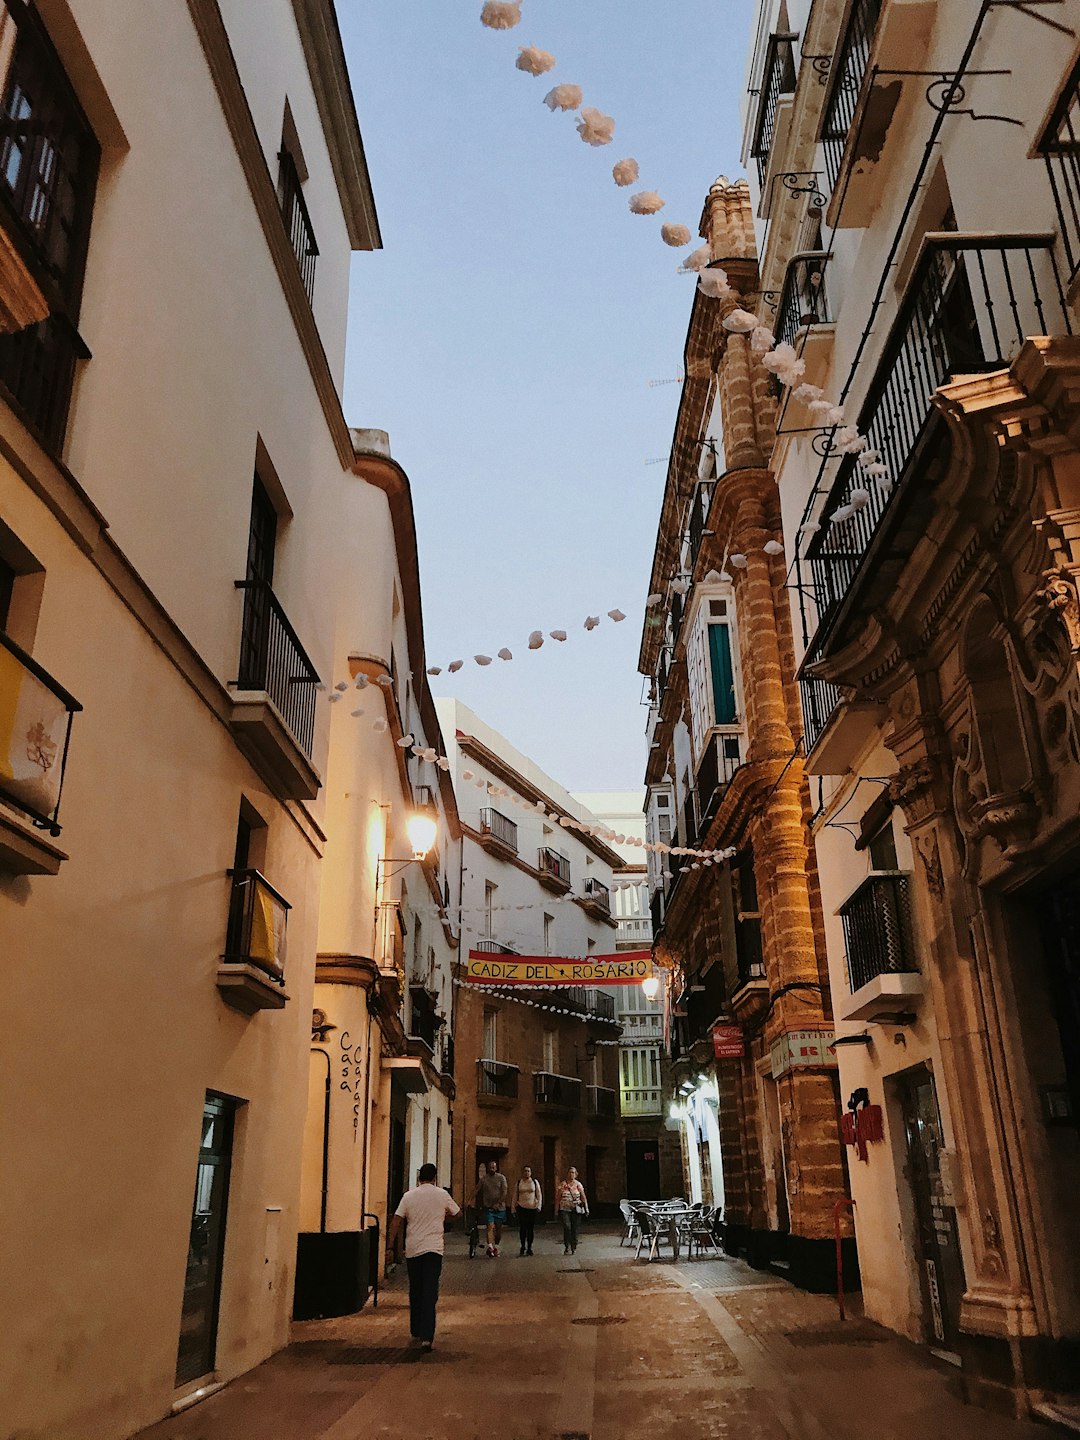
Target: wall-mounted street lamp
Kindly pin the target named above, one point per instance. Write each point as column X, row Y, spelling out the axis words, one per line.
column 422, row 829
column 651, row 987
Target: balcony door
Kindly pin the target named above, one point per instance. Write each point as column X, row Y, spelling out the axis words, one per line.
column 206, row 1243
column 643, row 1169
column 262, row 543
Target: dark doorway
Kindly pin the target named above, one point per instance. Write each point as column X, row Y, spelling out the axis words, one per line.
column 941, row 1269
column 643, row 1169
column 1060, row 915
column 549, row 1172
column 206, row 1244
column 396, row 1168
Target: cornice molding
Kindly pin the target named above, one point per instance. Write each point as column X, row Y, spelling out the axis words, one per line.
column 213, row 36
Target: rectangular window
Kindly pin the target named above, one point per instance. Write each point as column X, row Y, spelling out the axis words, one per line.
column 294, row 212
column 49, row 160
column 723, row 677
column 551, row 1052
column 206, row 1244
column 489, row 910
column 548, row 922
column 491, row 1033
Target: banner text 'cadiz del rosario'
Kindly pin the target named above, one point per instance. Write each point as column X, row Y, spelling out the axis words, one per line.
column 628, row 968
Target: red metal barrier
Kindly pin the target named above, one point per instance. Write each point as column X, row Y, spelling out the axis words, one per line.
column 840, row 1205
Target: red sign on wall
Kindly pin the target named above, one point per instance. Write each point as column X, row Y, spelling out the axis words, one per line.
column 728, row 1042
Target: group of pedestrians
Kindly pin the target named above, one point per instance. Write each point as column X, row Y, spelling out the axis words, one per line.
column 423, row 1214
column 494, row 1199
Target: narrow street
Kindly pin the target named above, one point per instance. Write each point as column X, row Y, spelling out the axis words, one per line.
column 595, row 1348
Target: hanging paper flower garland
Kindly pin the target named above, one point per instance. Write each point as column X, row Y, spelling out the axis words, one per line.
column 595, row 128
column 564, row 97
column 501, row 14
column 534, row 61
column 646, row 202
column 675, row 235
column 625, row 172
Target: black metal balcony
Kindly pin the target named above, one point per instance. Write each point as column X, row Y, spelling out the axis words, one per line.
column 663, row 670
column 721, row 758
column 597, row 896
column 554, row 868
column 847, row 73
column 258, row 917
column 294, row 212
column 496, row 1080
column 656, row 910
column 777, row 78
column 556, row 1092
column 1059, row 145
column 272, row 659
column 495, row 826
column 600, row 1004
column 803, row 300
column 678, row 606
column 37, row 734
column 971, row 303
column 601, row 1103
column 424, row 1023
column 878, row 931
column 819, row 699
column 37, row 370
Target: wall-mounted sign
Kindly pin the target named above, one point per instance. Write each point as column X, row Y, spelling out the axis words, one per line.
column 629, row 967
column 802, row 1050
column 728, row 1042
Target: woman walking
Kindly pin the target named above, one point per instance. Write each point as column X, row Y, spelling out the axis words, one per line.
column 571, row 1204
column 527, row 1202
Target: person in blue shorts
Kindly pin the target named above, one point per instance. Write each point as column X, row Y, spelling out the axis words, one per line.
column 491, row 1198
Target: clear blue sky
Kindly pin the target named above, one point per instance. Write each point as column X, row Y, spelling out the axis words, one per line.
column 506, row 334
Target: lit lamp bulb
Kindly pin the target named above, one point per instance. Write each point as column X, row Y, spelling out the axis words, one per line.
column 422, row 830
column 651, row 986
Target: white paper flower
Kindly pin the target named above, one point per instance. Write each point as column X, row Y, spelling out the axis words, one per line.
column 711, row 577
column 739, row 561
column 842, row 514
column 877, row 471
column 645, row 202
column 482, row 659
column 616, row 615
column 858, row 497
column 625, row 172
column 468, row 775
column 761, row 340
column 435, row 670
column 333, row 697
column 443, row 763
column 594, row 127
column 714, row 282
column 591, row 622
column 654, row 599
column 379, row 725
column 697, row 259
column 342, row 685
column 386, row 681
column 820, row 407
column 867, row 458
column 834, row 415
column 740, row 322
column 501, row 14
column 357, row 713
column 675, row 235
column 405, row 742
column 536, row 639
column 810, row 528
column 505, row 654
column 847, row 440
column 557, row 634
column 806, row 394
column 563, row 97
column 534, row 61
column 773, row 547
column 680, row 586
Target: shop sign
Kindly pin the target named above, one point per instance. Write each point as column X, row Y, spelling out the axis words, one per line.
column 802, row 1050
column 728, row 1042
column 626, row 968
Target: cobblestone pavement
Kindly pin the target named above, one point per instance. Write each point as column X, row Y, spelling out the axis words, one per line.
column 598, row 1347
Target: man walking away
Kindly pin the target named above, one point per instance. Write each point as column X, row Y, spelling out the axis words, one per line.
column 424, row 1212
column 491, row 1197
column 527, row 1202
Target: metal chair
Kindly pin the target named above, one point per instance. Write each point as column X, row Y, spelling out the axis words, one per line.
column 699, row 1231
column 653, row 1234
column 633, row 1229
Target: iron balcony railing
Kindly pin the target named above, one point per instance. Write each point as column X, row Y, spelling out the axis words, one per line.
column 678, row 607
column 848, row 71
column 777, row 78
column 499, row 828
column 642, row 1100
column 721, row 758
column 272, row 659
column 424, row 1023
column 493, row 947
column 493, row 1077
column 972, row 302
column 258, row 917
column 656, row 910
column 294, row 212
column 699, row 514
column 554, row 865
column 803, row 300
column 1059, row 146
column 35, row 731
column 819, row 699
column 557, row 1092
column 598, row 895
column 878, row 931
column 601, row 1103
column 663, row 670
column 600, row 1004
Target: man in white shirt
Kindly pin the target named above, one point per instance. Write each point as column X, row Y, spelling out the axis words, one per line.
column 423, row 1212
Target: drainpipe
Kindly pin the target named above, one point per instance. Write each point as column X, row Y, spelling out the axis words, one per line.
column 325, row 1140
